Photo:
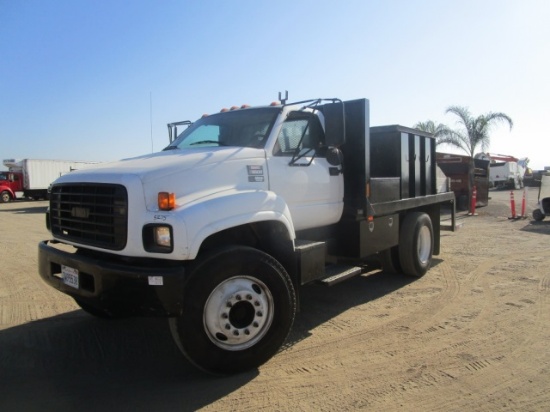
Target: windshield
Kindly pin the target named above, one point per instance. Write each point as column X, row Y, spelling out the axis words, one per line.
column 239, row 128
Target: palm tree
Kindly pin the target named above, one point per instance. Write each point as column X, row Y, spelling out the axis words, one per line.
column 429, row 126
column 473, row 132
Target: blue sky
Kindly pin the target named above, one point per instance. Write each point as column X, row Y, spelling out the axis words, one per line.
column 77, row 78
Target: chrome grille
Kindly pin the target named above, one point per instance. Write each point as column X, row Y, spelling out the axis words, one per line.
column 90, row 214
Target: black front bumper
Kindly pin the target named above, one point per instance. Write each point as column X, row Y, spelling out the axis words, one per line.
column 133, row 287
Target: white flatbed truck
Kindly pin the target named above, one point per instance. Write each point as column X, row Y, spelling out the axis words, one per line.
column 221, row 230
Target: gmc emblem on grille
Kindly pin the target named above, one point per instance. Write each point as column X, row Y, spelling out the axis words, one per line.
column 81, row 212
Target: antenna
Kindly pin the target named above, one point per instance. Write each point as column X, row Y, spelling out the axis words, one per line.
column 283, row 101
column 151, row 118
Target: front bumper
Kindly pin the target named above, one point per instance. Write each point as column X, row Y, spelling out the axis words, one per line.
column 131, row 287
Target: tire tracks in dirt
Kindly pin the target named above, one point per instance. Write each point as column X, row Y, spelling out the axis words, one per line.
column 456, row 322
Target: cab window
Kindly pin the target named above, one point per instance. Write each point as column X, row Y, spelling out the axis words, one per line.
column 300, row 131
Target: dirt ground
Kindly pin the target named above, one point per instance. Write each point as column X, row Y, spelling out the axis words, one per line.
column 472, row 334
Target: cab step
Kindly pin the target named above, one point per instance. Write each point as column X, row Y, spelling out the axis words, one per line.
column 338, row 273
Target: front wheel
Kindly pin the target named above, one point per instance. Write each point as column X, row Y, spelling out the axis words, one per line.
column 239, row 306
column 5, row 196
column 416, row 244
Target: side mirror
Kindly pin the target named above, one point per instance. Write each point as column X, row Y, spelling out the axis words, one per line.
column 334, row 156
column 335, row 125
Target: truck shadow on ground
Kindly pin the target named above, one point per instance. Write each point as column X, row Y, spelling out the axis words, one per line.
column 320, row 303
column 27, row 210
column 76, row 362
column 534, row 226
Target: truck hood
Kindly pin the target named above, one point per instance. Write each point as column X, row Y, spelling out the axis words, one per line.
column 191, row 173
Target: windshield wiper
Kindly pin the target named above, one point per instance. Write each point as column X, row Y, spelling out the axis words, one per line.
column 170, row 148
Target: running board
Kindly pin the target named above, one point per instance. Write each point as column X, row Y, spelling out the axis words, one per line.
column 339, row 273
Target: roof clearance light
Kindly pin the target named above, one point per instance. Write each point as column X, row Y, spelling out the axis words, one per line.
column 205, row 115
column 275, row 103
column 224, row 110
column 245, row 106
column 166, row 201
column 234, row 107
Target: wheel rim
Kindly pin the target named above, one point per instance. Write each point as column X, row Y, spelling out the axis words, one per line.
column 238, row 313
column 424, row 244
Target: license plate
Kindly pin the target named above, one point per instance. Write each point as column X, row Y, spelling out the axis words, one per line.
column 70, row 276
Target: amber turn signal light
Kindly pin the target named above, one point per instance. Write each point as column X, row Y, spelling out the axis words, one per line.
column 167, row 201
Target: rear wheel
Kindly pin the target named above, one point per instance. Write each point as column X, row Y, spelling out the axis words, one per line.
column 389, row 259
column 416, row 244
column 239, row 306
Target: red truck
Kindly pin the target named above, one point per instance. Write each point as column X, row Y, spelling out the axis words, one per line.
column 10, row 184
column 31, row 178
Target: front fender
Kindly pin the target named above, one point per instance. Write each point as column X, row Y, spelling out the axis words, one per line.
column 211, row 215
column 7, row 189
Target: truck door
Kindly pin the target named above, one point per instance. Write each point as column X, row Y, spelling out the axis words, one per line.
column 299, row 172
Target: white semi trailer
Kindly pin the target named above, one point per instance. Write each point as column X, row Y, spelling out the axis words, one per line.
column 31, row 178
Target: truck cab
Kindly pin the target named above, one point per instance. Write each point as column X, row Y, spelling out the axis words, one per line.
column 284, row 152
column 10, row 184
column 221, row 229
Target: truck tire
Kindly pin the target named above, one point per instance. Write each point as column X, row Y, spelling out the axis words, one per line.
column 538, row 215
column 416, row 244
column 5, row 196
column 389, row 259
column 239, row 306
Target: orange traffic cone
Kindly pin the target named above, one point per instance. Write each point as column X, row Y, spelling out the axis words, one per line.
column 512, row 205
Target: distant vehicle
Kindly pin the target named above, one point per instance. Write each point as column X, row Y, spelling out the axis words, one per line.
column 505, row 171
column 31, row 178
column 456, row 168
column 543, row 204
column 532, row 177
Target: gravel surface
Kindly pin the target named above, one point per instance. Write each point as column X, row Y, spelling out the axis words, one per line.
column 470, row 335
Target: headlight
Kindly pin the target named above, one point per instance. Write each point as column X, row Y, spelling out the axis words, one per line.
column 163, row 237
column 158, row 238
